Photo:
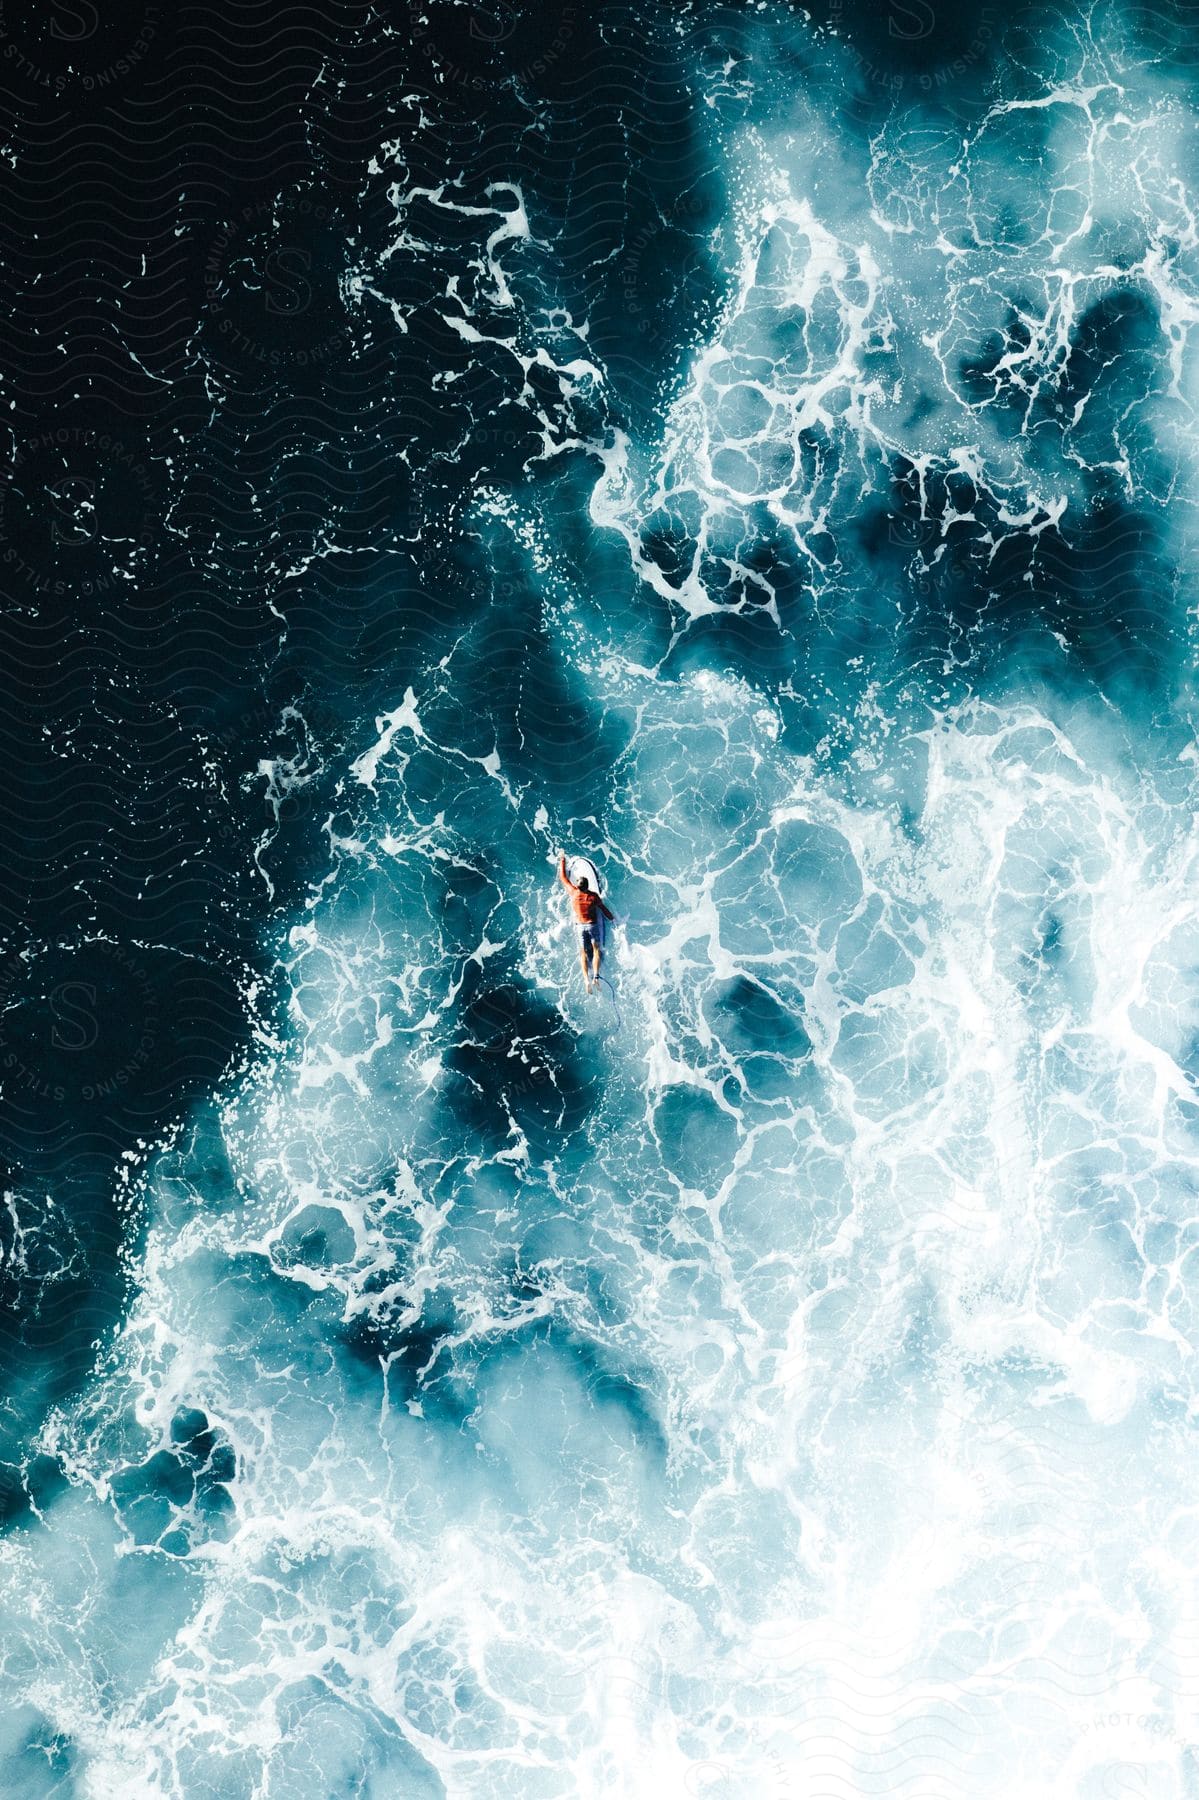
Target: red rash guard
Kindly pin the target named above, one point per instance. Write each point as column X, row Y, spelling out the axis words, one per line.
column 586, row 906
column 587, row 903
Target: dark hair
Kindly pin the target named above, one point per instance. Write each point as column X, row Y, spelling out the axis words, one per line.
column 584, row 884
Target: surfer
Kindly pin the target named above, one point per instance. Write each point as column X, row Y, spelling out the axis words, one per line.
column 588, row 908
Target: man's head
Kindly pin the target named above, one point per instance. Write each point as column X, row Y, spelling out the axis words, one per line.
column 584, row 884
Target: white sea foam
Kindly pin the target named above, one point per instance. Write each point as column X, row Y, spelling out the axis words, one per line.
column 876, row 1465
column 778, row 1381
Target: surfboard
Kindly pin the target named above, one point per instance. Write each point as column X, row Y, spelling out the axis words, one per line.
column 583, row 865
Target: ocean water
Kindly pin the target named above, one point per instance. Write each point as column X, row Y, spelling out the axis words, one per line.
column 754, row 450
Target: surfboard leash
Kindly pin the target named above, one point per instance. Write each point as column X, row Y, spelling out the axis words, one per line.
column 615, row 1008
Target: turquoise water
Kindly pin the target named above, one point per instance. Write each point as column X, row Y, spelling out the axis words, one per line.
column 774, row 1377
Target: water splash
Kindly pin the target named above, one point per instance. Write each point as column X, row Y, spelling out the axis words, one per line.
column 793, row 1390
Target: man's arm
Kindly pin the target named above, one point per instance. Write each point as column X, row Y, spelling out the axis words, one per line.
column 605, row 911
column 563, row 877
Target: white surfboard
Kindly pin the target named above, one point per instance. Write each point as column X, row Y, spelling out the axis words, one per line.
column 583, row 865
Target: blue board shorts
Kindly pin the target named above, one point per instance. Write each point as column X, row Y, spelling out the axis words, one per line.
column 592, row 938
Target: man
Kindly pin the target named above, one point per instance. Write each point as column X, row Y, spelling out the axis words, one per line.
column 588, row 906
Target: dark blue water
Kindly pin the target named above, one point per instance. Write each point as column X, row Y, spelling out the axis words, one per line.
column 753, row 450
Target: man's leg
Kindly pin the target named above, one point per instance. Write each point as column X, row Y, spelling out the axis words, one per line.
column 586, row 962
column 597, row 957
